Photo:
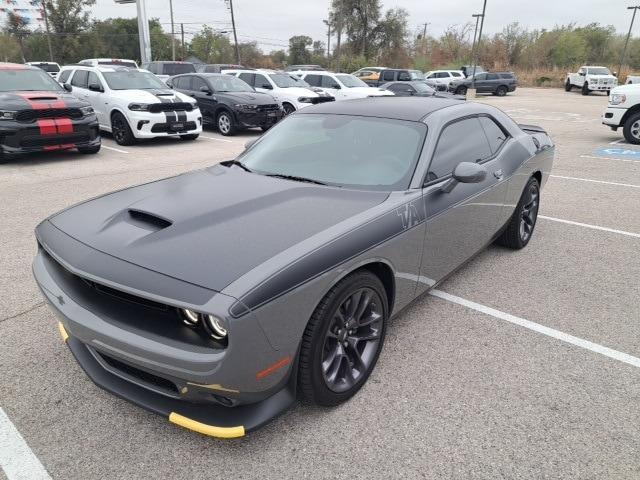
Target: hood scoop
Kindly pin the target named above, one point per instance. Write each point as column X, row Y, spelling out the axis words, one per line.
column 147, row 221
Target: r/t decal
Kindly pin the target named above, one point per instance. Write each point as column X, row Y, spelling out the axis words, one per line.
column 408, row 215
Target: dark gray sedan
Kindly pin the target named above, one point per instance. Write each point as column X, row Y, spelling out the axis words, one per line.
column 216, row 297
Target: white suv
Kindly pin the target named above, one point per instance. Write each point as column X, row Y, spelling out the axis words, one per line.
column 443, row 77
column 134, row 104
column 52, row 68
column 343, row 86
column 283, row 87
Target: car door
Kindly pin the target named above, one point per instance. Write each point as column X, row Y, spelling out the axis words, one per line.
column 481, row 83
column 464, row 220
column 492, row 82
column 79, row 82
column 96, row 97
column 202, row 91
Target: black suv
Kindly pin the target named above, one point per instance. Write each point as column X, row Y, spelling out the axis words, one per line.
column 227, row 102
column 496, row 83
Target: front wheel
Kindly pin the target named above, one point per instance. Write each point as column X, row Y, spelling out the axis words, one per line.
column 225, row 124
column 631, row 129
column 567, row 86
column 585, row 89
column 501, row 91
column 343, row 339
column 288, row 108
column 121, row 131
column 461, row 91
column 523, row 221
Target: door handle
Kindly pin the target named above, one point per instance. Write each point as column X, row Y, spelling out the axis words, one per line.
column 498, row 174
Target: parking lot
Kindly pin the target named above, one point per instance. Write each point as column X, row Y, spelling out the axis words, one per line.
column 522, row 365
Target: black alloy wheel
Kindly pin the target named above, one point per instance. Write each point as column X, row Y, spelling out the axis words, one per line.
column 120, row 130
column 568, row 86
column 288, row 108
column 343, row 339
column 519, row 230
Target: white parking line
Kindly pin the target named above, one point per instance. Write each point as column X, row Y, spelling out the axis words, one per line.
column 596, row 181
column 218, row 139
column 594, row 227
column 620, row 140
column 16, row 458
column 114, row 149
column 536, row 327
column 610, row 158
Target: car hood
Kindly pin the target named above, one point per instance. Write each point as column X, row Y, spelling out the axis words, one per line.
column 296, row 91
column 209, row 227
column 150, row 96
column 29, row 100
column 257, row 98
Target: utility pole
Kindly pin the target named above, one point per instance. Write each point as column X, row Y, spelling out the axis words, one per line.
column 45, row 15
column 328, row 24
column 424, row 37
column 475, row 59
column 235, row 35
column 475, row 35
column 626, row 44
column 173, row 38
column 182, row 37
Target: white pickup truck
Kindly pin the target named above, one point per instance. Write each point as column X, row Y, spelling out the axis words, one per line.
column 591, row 79
column 624, row 111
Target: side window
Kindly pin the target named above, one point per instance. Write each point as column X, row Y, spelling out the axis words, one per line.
column 197, row 84
column 388, row 76
column 328, row 82
column 482, row 76
column 248, row 77
column 80, row 79
column 492, row 76
column 93, row 79
column 456, row 74
column 64, row 76
column 182, row 83
column 313, row 80
column 442, row 75
column 433, row 75
column 508, row 76
column 495, row 134
column 262, row 82
column 404, row 77
column 450, row 151
column 397, row 87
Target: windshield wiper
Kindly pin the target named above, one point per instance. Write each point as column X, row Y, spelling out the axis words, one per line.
column 228, row 163
column 296, row 178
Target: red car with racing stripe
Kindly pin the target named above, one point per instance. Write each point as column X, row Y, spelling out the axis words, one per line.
column 38, row 115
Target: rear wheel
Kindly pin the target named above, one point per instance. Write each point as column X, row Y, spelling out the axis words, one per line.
column 343, row 339
column 121, row 131
column 501, row 91
column 523, row 221
column 225, row 124
column 585, row 89
column 631, row 129
column 567, row 86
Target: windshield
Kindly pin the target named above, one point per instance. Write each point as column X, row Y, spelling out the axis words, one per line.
column 132, row 80
column 24, row 80
column 300, row 82
column 118, row 63
column 416, row 75
column 283, row 80
column 47, row 67
column 343, row 150
column 227, row 83
column 350, row 81
column 172, row 69
column 599, row 71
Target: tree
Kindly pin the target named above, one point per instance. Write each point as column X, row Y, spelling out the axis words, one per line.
column 68, row 19
column 570, row 49
column 391, row 38
column 9, row 48
column 298, row 52
column 212, row 47
column 17, row 27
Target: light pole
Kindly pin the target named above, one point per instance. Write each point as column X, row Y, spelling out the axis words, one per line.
column 626, row 44
column 143, row 29
column 475, row 57
column 235, row 35
column 328, row 24
column 475, row 35
column 173, row 38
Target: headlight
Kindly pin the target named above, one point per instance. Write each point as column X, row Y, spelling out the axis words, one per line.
column 215, row 327
column 139, row 107
column 246, row 107
column 86, row 111
column 305, row 100
column 7, row 115
column 189, row 317
column 617, row 98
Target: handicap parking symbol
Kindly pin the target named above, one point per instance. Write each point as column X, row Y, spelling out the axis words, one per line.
column 618, row 152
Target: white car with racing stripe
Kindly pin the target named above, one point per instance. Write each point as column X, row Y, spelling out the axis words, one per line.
column 134, row 104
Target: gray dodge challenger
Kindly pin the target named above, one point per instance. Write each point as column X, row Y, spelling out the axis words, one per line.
column 217, row 297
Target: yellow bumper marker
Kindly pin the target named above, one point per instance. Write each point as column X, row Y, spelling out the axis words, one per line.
column 63, row 332
column 219, row 432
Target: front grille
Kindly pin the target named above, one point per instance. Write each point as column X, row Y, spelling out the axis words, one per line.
column 170, row 107
column 32, row 115
column 124, row 296
column 269, row 108
column 145, row 377
column 53, row 140
column 165, row 127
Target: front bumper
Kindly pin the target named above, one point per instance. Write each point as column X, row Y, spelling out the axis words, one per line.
column 152, row 125
column 612, row 116
column 600, row 87
column 50, row 135
column 259, row 119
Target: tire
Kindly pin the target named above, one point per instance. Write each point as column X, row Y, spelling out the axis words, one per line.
column 192, row 136
column 89, row 150
column 121, row 130
column 567, row 86
column 631, row 129
column 225, row 123
column 501, row 91
column 461, row 91
column 330, row 373
column 520, row 228
column 585, row 89
column 288, row 108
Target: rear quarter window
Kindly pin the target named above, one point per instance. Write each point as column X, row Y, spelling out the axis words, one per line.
column 506, row 75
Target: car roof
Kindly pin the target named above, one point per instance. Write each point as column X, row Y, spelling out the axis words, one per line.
column 16, row 66
column 400, row 108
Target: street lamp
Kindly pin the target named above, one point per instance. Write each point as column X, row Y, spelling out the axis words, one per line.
column 626, row 44
column 143, row 29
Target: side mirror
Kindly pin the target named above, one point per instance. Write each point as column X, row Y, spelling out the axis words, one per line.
column 266, row 86
column 337, row 87
column 465, row 172
column 250, row 143
column 67, row 87
column 582, row 74
column 94, row 87
column 206, row 90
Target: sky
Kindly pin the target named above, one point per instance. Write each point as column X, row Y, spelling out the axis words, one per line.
column 271, row 23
